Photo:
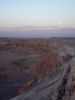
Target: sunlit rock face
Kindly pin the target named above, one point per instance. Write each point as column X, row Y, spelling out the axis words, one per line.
column 48, row 64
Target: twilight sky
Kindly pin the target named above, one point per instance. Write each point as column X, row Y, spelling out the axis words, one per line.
column 28, row 15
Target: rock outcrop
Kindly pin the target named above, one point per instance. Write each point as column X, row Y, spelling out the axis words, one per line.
column 48, row 64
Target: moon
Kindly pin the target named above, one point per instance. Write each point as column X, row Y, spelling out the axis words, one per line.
column 59, row 22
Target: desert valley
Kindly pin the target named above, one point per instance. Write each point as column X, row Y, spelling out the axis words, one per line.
column 37, row 69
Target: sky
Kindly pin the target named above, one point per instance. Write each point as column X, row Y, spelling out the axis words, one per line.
column 39, row 15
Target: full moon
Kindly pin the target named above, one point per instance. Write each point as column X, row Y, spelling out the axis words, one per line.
column 59, row 22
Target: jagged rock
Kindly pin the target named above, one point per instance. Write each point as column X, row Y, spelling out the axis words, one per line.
column 48, row 64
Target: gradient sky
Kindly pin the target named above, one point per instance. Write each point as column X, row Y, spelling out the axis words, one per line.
column 38, row 13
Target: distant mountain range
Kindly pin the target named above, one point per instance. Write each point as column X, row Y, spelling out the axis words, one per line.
column 37, row 32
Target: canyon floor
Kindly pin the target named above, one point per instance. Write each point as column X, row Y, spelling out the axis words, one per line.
column 37, row 69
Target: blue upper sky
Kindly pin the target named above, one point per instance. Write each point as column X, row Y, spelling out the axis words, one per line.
column 14, row 13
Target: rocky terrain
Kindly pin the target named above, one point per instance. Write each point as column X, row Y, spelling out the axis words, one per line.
column 37, row 69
